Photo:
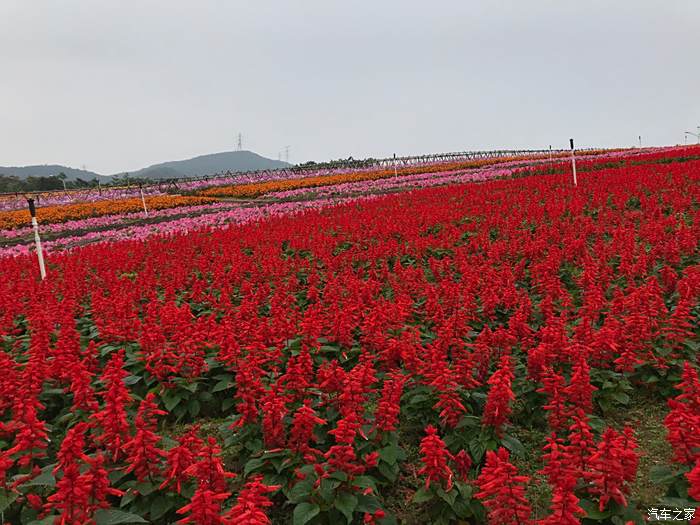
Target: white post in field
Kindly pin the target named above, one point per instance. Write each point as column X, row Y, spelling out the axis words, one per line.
column 143, row 200
column 573, row 160
column 37, row 239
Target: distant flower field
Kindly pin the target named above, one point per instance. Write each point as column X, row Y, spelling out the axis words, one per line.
column 466, row 344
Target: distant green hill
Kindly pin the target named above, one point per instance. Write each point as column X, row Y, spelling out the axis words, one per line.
column 208, row 164
column 202, row 165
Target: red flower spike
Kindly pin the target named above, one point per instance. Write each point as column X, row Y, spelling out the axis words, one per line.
column 500, row 395
column 581, row 445
column 72, row 497
column 112, row 418
column 205, row 508
column 690, row 388
column 301, row 435
column 142, row 454
column 557, row 466
column 274, row 410
column 434, row 456
column 463, row 462
column 580, row 391
column 97, row 478
column 251, row 504
column 211, row 492
column 180, row 458
column 208, row 470
column 611, row 467
column 503, row 490
column 389, row 405
column 683, row 431
column 564, row 506
column 557, row 411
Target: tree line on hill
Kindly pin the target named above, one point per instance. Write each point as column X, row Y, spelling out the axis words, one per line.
column 12, row 183
column 339, row 163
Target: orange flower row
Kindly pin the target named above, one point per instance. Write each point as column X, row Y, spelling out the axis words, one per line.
column 257, row 189
column 83, row 210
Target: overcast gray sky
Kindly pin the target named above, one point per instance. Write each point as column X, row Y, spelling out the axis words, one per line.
column 122, row 84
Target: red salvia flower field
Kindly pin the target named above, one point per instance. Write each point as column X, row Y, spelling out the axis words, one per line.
column 513, row 351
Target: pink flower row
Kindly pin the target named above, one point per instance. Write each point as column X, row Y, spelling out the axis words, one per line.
column 114, row 220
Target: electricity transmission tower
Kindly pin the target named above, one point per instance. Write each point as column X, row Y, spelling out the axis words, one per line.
column 240, row 142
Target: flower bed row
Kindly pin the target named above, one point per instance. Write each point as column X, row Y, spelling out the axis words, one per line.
column 115, row 220
column 18, row 202
column 257, row 189
column 55, row 214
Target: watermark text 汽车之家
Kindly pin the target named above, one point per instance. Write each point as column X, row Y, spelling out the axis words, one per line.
column 670, row 514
